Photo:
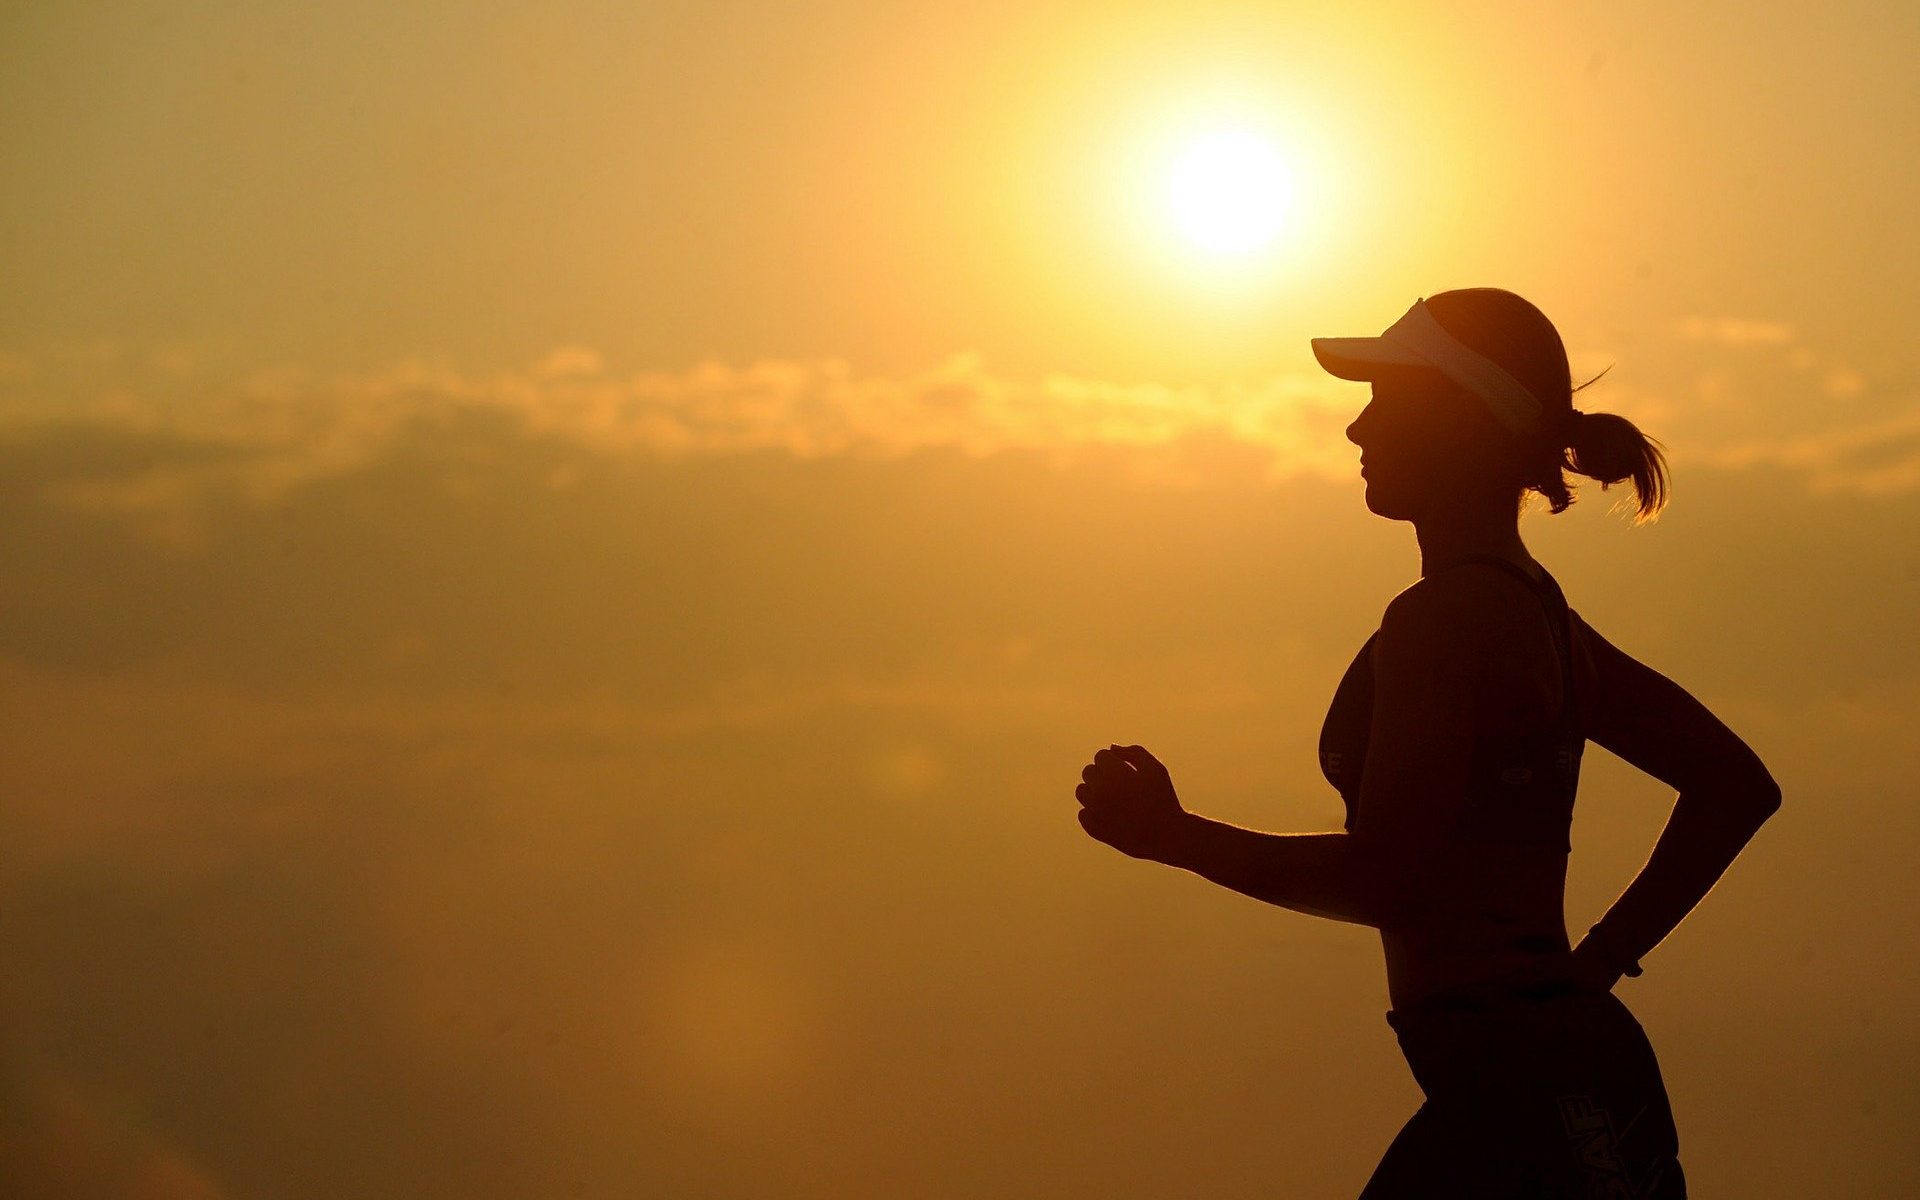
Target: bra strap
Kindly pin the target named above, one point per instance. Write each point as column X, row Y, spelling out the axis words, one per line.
column 1559, row 622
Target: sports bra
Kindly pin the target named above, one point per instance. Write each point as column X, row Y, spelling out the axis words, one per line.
column 1519, row 788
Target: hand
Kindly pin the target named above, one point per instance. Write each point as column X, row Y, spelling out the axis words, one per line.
column 1127, row 801
column 1593, row 970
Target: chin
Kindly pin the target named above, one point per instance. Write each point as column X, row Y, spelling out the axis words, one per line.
column 1383, row 503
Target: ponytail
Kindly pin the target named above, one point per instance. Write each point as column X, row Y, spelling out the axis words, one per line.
column 1613, row 450
column 1517, row 336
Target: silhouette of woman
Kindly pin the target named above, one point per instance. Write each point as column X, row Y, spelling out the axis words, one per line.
column 1455, row 740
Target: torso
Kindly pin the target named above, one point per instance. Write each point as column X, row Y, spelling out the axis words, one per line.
column 1508, row 935
column 1501, row 923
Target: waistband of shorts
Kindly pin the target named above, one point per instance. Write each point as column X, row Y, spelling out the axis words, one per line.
column 1485, row 999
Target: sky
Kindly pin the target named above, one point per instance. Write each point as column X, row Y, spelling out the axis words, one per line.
column 564, row 561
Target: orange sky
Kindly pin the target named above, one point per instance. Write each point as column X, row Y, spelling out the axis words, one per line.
column 563, row 561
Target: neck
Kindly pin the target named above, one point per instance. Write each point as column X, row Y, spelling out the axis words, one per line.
column 1456, row 534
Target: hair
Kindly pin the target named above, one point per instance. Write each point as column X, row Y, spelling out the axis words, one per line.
column 1513, row 333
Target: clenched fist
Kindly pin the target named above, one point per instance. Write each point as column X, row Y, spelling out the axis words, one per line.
column 1127, row 801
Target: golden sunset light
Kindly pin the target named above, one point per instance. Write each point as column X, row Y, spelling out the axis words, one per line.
column 1229, row 192
column 778, row 602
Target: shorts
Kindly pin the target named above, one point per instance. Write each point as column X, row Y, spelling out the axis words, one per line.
column 1536, row 1097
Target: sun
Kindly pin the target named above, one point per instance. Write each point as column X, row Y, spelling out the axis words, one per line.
column 1229, row 192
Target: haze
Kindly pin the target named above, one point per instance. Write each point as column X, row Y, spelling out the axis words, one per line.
column 563, row 561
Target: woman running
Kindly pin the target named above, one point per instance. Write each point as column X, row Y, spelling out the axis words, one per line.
column 1454, row 740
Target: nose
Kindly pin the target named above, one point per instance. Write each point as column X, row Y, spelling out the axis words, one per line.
column 1357, row 430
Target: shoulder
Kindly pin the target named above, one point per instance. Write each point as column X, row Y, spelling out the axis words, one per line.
column 1440, row 628
column 1469, row 606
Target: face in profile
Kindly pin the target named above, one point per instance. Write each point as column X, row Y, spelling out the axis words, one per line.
column 1422, row 443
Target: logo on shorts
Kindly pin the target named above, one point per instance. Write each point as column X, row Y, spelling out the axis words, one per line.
column 1596, row 1147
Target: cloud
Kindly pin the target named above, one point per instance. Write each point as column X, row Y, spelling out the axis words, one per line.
column 301, row 421
column 270, row 431
column 262, row 433
column 1842, row 382
column 1742, row 394
column 571, row 360
column 1877, row 459
column 1735, row 331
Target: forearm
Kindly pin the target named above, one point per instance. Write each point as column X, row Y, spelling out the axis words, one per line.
column 1320, row 874
column 1701, row 839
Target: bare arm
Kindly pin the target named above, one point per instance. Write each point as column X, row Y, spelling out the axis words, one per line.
column 1127, row 801
column 1381, row 874
column 1725, row 795
column 1319, row 874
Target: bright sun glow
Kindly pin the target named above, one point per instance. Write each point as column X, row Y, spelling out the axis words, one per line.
column 1229, row 192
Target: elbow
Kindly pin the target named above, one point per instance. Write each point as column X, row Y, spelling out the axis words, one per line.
column 1761, row 792
column 1752, row 801
column 1742, row 785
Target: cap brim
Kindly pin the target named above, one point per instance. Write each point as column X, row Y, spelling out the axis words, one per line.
column 1361, row 358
